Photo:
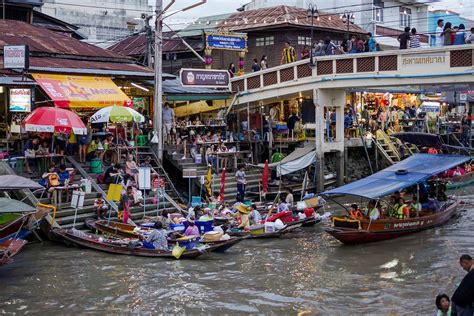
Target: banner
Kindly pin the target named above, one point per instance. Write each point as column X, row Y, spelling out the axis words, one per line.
column 81, row 91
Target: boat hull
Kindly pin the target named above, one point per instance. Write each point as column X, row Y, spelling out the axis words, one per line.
column 9, row 248
column 386, row 229
column 95, row 244
column 460, row 181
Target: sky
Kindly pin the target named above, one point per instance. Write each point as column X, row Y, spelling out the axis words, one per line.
column 213, row 7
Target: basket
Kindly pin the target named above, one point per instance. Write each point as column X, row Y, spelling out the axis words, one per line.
column 213, row 236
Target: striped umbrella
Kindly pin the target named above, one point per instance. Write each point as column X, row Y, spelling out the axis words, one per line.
column 117, row 114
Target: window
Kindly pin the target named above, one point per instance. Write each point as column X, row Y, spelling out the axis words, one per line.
column 303, row 40
column 405, row 17
column 265, row 41
column 377, row 11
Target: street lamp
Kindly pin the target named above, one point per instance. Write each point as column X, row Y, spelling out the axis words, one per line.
column 312, row 13
column 348, row 18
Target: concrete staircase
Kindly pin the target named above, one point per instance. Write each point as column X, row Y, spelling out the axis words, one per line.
column 254, row 176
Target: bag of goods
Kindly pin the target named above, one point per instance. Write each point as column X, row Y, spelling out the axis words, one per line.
column 279, row 224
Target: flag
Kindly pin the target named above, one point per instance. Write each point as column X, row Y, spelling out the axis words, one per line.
column 222, row 186
column 209, row 180
column 265, row 177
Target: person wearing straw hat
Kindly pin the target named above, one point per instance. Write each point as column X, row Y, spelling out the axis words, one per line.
column 243, row 217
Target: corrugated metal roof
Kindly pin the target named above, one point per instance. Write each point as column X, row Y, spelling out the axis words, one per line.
column 285, row 16
column 42, row 40
column 135, row 45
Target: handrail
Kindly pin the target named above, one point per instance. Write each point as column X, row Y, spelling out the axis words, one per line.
column 421, row 50
column 94, row 184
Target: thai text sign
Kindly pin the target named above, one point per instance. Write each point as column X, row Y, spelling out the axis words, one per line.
column 227, row 41
column 81, row 91
column 204, row 78
column 424, row 61
column 16, row 57
column 20, row 100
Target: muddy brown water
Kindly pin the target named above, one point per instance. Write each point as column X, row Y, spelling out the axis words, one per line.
column 307, row 271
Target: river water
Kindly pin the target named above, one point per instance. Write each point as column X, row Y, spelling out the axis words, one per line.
column 307, row 272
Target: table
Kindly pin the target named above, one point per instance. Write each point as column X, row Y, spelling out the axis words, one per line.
column 232, row 154
column 58, row 194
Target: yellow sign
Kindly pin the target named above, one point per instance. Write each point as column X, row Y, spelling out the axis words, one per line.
column 81, row 91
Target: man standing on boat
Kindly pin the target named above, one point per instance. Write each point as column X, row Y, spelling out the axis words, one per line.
column 240, row 178
column 463, row 297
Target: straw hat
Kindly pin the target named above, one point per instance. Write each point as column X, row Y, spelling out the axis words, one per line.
column 242, row 208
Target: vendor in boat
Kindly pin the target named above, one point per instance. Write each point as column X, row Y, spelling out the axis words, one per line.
column 192, row 229
column 243, row 217
column 156, row 239
column 282, row 206
column 354, row 212
column 164, row 219
column 371, row 211
column 255, row 217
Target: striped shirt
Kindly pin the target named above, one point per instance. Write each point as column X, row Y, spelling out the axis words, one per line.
column 289, row 54
column 415, row 41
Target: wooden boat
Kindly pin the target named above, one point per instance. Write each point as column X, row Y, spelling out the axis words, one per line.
column 275, row 234
column 9, row 229
column 126, row 231
column 413, row 170
column 364, row 231
column 121, row 247
column 9, row 248
column 459, row 181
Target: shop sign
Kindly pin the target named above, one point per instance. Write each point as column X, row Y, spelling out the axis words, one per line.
column 16, row 57
column 424, row 61
column 463, row 97
column 20, row 100
column 207, row 78
column 227, row 41
column 138, row 103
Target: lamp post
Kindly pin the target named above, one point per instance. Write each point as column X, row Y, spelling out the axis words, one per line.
column 312, row 13
column 348, row 18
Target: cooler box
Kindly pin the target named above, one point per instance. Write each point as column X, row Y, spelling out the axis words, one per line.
column 285, row 217
column 257, row 229
column 177, row 227
column 205, row 227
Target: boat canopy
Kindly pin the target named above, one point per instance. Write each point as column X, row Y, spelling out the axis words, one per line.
column 13, row 182
column 406, row 173
column 14, row 206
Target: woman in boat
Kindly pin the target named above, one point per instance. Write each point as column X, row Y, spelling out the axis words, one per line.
column 243, row 217
column 255, row 217
column 157, row 238
column 164, row 219
column 282, row 206
column 192, row 229
column 403, row 211
column 443, row 306
column 289, row 197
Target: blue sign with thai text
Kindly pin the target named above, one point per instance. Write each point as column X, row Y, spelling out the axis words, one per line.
column 230, row 42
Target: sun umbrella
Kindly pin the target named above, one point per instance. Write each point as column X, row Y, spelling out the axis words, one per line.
column 54, row 120
column 265, row 177
column 222, row 185
column 117, row 114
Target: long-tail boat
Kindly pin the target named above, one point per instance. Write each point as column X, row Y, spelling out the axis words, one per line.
column 9, row 248
column 409, row 173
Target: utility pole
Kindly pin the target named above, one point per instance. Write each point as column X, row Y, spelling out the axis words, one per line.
column 158, row 104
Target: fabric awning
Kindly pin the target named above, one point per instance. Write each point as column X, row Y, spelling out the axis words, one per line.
column 81, row 91
column 299, row 159
column 14, row 206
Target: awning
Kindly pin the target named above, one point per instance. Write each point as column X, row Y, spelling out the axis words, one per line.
column 404, row 174
column 299, row 159
column 81, row 91
column 14, row 182
column 14, row 206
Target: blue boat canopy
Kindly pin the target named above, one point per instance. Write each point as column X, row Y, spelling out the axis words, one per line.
column 406, row 173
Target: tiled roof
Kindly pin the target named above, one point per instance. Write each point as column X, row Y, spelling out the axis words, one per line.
column 285, row 16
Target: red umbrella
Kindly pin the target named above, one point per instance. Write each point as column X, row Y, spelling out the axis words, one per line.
column 52, row 119
column 265, row 177
column 222, row 185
